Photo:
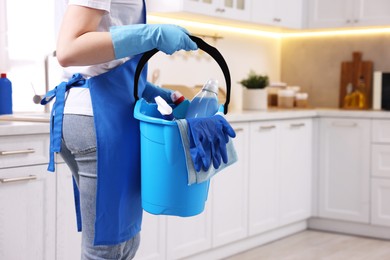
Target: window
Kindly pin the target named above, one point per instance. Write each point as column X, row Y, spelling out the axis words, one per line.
column 27, row 31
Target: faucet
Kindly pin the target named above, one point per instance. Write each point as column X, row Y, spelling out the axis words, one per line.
column 46, row 63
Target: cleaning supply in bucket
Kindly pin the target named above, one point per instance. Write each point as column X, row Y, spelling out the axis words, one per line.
column 5, row 95
column 164, row 108
column 205, row 103
column 202, row 175
column 180, row 111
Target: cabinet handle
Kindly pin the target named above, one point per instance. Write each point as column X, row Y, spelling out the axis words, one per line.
column 220, row 10
column 17, row 152
column 17, row 179
column 356, row 21
column 348, row 21
column 265, row 127
column 238, row 129
column 344, row 124
column 277, row 19
column 297, row 125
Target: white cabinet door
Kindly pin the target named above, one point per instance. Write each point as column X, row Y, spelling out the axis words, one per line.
column 295, row 170
column 234, row 9
column 189, row 235
column 381, row 131
column 229, row 204
column 227, row 9
column 27, row 213
column 283, row 13
column 68, row 242
column 348, row 13
column 380, row 163
column 330, row 13
column 372, row 12
column 205, row 7
column 280, row 173
column 263, row 177
column 380, row 199
column 153, row 238
column 344, row 169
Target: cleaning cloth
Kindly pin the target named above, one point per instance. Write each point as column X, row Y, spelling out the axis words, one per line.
column 199, row 177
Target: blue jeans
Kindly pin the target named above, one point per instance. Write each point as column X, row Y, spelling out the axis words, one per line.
column 79, row 152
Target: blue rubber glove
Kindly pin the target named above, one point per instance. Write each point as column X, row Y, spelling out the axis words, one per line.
column 134, row 39
column 208, row 138
column 151, row 91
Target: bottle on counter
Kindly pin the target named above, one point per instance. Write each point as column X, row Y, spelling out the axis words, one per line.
column 348, row 96
column 205, row 103
column 356, row 99
column 5, row 95
column 360, row 97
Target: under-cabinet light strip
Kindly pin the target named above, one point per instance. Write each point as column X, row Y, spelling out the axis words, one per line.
column 346, row 32
column 256, row 32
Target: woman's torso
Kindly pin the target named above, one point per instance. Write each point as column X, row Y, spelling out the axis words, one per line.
column 118, row 12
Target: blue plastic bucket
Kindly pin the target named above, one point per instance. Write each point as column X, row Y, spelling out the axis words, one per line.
column 164, row 176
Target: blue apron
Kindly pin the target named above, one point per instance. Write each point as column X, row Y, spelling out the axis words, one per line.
column 118, row 195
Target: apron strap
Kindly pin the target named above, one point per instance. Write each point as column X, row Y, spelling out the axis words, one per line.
column 57, row 113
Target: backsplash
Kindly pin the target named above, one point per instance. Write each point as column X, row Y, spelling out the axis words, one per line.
column 314, row 63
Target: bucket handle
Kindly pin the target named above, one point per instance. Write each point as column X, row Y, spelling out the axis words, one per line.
column 212, row 51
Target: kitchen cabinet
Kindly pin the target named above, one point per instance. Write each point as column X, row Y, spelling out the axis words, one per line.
column 228, row 9
column 348, row 13
column 172, row 237
column 230, row 194
column 280, row 13
column 380, row 196
column 280, row 173
column 263, row 177
column 153, row 238
column 380, row 173
column 344, row 169
column 295, row 170
column 27, row 199
column 380, row 166
column 189, row 235
column 68, row 242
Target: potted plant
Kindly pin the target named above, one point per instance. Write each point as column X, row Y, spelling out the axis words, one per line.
column 255, row 95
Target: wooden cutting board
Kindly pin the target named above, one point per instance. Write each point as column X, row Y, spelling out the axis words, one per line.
column 351, row 71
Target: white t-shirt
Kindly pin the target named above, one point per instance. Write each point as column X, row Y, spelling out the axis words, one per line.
column 118, row 12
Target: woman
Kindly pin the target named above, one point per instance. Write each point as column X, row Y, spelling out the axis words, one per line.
column 100, row 136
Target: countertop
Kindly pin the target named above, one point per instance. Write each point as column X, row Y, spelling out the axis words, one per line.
column 276, row 113
column 8, row 128
column 31, row 123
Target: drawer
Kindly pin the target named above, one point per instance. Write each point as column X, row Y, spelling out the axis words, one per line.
column 22, row 150
column 380, row 163
column 381, row 131
column 380, row 200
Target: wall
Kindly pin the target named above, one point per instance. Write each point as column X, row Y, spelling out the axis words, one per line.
column 314, row 63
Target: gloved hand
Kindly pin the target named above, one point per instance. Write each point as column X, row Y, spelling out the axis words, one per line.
column 151, row 91
column 208, row 138
column 134, row 39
